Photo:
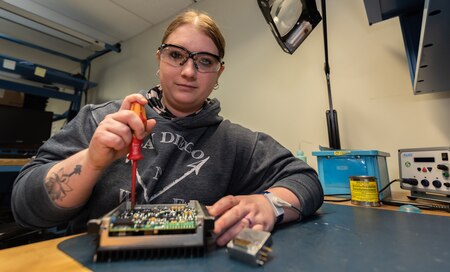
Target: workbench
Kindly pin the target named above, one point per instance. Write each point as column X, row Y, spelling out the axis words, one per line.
column 337, row 238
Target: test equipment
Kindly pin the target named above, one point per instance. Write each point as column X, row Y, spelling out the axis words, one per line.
column 152, row 231
column 425, row 172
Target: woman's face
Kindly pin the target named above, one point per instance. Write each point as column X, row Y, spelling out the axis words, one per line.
column 184, row 88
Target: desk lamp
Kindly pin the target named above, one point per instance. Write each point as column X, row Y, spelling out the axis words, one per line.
column 291, row 21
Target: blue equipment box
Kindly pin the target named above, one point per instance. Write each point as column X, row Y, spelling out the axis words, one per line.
column 337, row 166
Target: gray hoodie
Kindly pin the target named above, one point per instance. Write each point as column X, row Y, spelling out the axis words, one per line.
column 200, row 157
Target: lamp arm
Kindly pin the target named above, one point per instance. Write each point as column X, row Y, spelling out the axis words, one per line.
column 331, row 114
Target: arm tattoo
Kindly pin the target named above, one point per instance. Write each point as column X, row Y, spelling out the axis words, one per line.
column 57, row 184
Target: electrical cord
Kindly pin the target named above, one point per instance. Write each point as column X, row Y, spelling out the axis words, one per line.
column 348, row 199
column 340, row 197
column 337, row 196
column 389, row 184
column 424, row 206
column 280, row 202
column 432, row 207
column 413, row 182
column 392, row 202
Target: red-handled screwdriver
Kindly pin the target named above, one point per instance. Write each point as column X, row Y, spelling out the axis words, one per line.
column 135, row 150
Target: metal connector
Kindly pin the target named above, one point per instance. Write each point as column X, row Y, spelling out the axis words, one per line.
column 250, row 246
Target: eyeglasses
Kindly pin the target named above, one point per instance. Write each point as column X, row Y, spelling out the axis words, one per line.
column 204, row 62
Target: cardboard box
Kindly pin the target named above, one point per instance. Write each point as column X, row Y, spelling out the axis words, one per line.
column 11, row 98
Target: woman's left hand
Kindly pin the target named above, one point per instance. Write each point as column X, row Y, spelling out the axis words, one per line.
column 234, row 213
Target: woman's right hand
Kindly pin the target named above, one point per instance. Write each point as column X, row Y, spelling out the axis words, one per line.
column 112, row 138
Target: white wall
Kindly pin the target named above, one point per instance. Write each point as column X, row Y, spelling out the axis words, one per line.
column 285, row 95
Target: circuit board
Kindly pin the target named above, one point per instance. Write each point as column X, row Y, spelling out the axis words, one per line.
column 154, row 221
column 152, row 231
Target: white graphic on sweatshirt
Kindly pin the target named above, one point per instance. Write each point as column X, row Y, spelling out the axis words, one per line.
column 158, row 173
column 182, row 144
column 139, row 180
column 124, row 195
column 144, row 188
column 195, row 168
column 148, row 144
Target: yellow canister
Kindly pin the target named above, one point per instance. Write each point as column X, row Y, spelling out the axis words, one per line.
column 364, row 191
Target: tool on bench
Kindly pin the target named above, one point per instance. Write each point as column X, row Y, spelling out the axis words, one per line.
column 135, row 150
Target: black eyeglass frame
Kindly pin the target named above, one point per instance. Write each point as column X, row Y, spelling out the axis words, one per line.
column 191, row 55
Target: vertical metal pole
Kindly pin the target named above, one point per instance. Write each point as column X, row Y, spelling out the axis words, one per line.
column 331, row 114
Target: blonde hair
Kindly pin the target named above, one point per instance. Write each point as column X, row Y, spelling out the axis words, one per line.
column 203, row 22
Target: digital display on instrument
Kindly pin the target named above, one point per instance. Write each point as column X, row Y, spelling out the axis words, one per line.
column 424, row 159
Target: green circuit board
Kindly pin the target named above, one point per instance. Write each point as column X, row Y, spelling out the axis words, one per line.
column 176, row 219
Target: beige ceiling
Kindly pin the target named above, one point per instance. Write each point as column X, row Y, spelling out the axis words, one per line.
column 110, row 21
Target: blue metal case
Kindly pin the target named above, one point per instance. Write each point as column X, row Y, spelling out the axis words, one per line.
column 336, row 166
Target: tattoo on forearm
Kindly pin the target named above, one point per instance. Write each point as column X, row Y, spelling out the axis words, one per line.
column 57, row 184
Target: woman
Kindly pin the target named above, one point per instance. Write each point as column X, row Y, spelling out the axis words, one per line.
column 190, row 152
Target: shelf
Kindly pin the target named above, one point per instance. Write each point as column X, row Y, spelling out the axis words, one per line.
column 48, row 78
column 12, row 165
column 424, row 24
column 25, row 28
column 40, row 80
column 41, row 73
column 433, row 61
column 37, row 79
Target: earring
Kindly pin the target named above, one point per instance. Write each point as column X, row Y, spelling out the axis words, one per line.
column 216, row 86
column 157, row 73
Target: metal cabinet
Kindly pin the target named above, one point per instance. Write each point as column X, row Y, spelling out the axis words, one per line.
column 425, row 27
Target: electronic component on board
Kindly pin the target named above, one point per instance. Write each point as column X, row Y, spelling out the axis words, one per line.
column 250, row 246
column 152, row 231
